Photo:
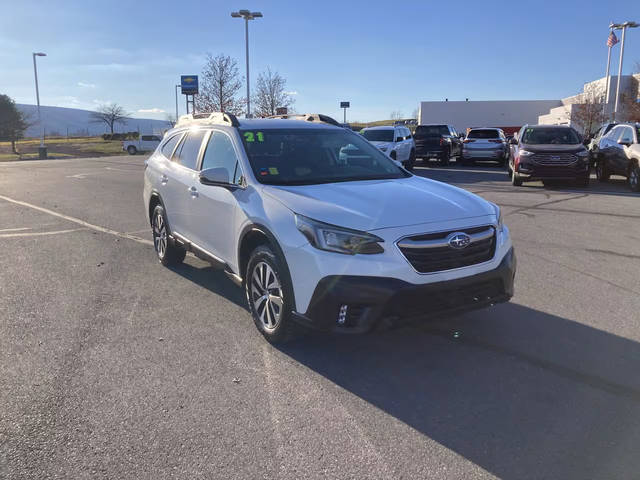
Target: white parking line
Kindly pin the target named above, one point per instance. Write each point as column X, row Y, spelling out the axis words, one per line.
column 39, row 234
column 98, row 228
column 14, row 229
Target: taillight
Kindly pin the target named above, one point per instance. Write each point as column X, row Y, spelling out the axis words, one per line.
column 495, row 141
column 441, row 141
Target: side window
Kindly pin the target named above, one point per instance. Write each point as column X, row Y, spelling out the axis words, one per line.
column 167, row 148
column 147, row 138
column 187, row 153
column 221, row 154
column 407, row 134
column 627, row 135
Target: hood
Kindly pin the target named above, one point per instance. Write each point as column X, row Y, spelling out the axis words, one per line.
column 553, row 148
column 375, row 204
column 380, row 144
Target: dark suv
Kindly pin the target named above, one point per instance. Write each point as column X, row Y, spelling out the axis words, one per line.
column 548, row 152
column 440, row 141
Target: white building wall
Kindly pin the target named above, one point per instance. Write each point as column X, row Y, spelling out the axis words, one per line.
column 499, row 113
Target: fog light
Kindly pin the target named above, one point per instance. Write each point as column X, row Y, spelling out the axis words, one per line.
column 342, row 316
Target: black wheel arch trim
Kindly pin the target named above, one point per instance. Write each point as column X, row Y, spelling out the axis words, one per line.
column 257, row 227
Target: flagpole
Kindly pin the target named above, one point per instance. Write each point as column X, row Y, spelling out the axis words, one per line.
column 606, row 103
column 615, row 110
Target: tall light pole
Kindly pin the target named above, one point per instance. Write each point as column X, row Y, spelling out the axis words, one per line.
column 42, row 151
column 247, row 15
column 623, row 27
column 177, row 87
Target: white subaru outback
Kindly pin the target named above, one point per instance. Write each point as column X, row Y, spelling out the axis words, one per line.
column 319, row 227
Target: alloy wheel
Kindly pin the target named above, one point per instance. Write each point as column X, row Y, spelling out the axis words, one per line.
column 634, row 178
column 160, row 235
column 266, row 295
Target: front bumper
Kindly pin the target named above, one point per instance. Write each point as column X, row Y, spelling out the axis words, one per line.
column 372, row 299
column 531, row 171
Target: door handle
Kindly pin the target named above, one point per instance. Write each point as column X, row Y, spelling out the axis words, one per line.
column 193, row 191
column 164, row 179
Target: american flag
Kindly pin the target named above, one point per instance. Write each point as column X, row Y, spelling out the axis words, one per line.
column 612, row 40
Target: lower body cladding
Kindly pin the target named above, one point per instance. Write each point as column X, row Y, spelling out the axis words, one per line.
column 357, row 304
column 532, row 171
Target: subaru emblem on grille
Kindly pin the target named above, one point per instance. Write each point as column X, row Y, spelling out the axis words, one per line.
column 459, row 240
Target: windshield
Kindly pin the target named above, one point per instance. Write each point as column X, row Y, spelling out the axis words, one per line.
column 483, row 134
column 550, row 136
column 432, row 130
column 378, row 135
column 310, row 156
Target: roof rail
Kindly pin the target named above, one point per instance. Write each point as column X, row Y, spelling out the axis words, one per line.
column 204, row 118
column 309, row 117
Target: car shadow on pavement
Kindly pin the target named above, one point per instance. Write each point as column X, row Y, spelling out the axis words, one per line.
column 519, row 392
column 214, row 280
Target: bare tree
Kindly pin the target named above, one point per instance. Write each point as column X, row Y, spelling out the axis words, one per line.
column 270, row 94
column 13, row 122
column 414, row 114
column 589, row 113
column 630, row 108
column 110, row 114
column 220, row 85
column 396, row 115
column 171, row 119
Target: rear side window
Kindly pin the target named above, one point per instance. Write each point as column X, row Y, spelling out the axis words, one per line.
column 627, row 135
column 221, row 154
column 167, row 148
column 483, row 134
column 187, row 153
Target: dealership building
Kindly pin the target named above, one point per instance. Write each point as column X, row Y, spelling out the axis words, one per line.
column 510, row 115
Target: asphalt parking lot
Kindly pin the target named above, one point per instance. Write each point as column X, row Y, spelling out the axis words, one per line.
column 112, row 366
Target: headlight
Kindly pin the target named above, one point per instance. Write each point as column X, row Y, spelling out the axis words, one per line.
column 583, row 154
column 498, row 214
column 337, row 239
column 525, row 153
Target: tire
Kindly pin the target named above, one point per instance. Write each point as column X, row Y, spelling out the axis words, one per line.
column 602, row 172
column 583, row 181
column 132, row 150
column 167, row 253
column 634, row 177
column 516, row 180
column 444, row 158
column 412, row 161
column 273, row 318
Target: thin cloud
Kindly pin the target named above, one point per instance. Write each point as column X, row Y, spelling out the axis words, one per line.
column 151, row 110
column 86, row 85
column 294, row 92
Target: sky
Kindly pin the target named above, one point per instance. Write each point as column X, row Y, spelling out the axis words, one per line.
column 381, row 56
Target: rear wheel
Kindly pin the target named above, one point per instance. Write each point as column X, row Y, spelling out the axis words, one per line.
column 516, row 180
column 412, row 161
column 132, row 150
column 602, row 172
column 444, row 157
column 167, row 253
column 270, row 295
column 634, row 177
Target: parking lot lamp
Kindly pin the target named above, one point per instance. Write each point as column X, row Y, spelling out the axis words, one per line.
column 42, row 151
column 623, row 27
column 247, row 15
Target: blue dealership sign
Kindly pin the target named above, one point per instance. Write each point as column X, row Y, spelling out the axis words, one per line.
column 189, row 84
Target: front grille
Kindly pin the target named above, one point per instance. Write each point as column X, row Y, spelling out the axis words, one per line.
column 554, row 158
column 431, row 252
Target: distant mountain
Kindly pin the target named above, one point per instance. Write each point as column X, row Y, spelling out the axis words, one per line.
column 57, row 120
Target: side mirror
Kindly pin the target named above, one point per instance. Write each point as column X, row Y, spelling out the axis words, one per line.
column 399, row 139
column 215, row 176
column 622, row 142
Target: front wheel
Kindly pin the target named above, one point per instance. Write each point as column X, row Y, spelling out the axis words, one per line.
column 270, row 295
column 602, row 172
column 444, row 157
column 167, row 253
column 634, row 177
column 583, row 181
column 132, row 150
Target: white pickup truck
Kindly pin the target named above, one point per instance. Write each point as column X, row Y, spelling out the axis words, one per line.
column 144, row 143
